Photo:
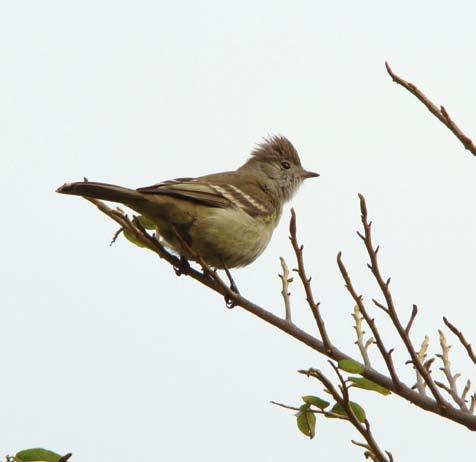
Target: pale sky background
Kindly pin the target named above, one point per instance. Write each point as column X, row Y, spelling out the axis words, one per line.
column 104, row 352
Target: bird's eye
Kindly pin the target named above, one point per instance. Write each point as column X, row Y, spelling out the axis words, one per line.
column 285, row 165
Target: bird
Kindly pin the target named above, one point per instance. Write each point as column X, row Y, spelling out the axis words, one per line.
column 226, row 218
column 39, row 455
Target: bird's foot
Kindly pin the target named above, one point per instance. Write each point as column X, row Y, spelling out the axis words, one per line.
column 182, row 267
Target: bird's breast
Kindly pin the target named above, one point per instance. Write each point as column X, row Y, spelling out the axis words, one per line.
column 231, row 236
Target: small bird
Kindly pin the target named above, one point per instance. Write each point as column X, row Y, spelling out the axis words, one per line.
column 39, row 455
column 227, row 218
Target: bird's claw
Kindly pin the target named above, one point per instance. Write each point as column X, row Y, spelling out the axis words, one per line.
column 229, row 302
column 182, row 267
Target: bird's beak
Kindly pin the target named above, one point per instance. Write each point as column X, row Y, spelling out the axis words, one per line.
column 306, row 174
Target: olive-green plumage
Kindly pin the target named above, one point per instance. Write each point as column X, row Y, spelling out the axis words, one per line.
column 40, row 455
column 228, row 218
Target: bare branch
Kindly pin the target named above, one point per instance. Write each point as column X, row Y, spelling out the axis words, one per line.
column 378, row 304
column 412, row 318
column 445, row 358
column 466, row 389
column 443, row 386
column 285, row 281
column 392, row 312
column 421, row 384
column 306, row 282
column 361, row 445
column 363, row 346
column 461, row 338
column 115, row 236
column 370, row 321
column 440, row 113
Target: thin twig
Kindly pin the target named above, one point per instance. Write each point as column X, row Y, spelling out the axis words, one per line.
column 412, row 318
column 116, row 235
column 461, row 338
column 363, row 346
column 314, row 411
column 368, row 453
column 386, row 354
column 379, row 305
column 306, row 282
column 342, row 398
column 392, row 312
column 440, row 113
column 285, row 281
column 445, row 358
column 421, row 384
column 466, row 389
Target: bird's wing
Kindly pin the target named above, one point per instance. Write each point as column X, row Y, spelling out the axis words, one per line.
column 217, row 190
column 191, row 189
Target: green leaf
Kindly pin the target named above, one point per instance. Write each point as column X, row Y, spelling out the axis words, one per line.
column 351, row 366
column 131, row 237
column 145, row 222
column 39, row 455
column 315, row 401
column 306, row 421
column 366, row 384
column 358, row 411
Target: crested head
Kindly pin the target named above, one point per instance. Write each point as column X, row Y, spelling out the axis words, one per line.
column 277, row 161
column 276, row 148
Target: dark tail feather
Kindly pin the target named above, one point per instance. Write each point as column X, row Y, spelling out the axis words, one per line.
column 104, row 191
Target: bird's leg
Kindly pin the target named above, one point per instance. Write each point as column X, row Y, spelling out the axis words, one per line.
column 184, row 241
column 230, row 303
column 233, row 285
column 182, row 267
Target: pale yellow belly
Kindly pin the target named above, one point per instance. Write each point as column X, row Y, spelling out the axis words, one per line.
column 226, row 236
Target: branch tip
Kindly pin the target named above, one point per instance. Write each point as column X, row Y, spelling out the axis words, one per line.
column 439, row 112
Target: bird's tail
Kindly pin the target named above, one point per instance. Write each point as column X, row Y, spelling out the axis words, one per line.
column 104, row 191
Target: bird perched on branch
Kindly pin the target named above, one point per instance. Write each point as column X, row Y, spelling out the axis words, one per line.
column 227, row 218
